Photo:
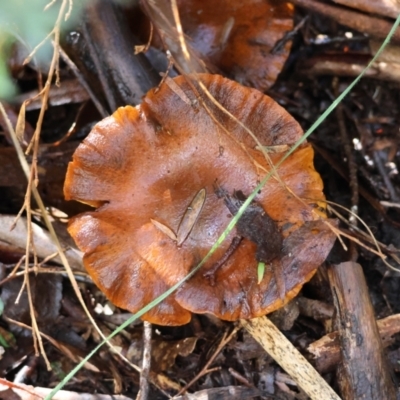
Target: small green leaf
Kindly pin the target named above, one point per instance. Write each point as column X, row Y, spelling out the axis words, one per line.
column 260, row 271
column 3, row 342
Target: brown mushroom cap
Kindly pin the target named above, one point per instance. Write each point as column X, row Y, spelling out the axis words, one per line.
column 238, row 36
column 149, row 162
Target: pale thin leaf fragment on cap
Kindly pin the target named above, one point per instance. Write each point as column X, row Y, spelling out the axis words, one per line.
column 226, row 31
column 190, row 216
column 177, row 90
column 164, row 229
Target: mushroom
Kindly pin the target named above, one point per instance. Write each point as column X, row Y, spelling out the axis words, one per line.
column 237, row 37
column 160, row 175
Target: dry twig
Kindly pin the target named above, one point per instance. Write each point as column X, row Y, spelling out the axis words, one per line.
column 290, row 359
column 146, row 363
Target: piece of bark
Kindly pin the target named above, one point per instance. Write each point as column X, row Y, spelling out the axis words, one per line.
column 41, row 238
column 285, row 317
column 325, row 352
column 350, row 66
column 131, row 75
column 376, row 27
column 103, row 50
column 315, row 309
column 69, row 91
column 363, row 373
column 386, row 8
column 390, row 54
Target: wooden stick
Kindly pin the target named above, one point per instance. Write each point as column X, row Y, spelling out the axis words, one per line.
column 143, row 393
column 325, row 352
column 363, row 373
column 289, row 358
column 387, row 8
column 377, row 27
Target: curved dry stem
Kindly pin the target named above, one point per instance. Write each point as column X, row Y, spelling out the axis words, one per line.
column 182, row 41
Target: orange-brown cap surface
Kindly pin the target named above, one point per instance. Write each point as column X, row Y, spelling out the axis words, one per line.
column 143, row 167
column 237, row 36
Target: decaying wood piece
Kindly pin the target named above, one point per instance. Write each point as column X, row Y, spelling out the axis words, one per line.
column 386, row 8
column 347, row 65
column 70, row 91
column 376, row 27
column 102, row 49
column 289, row 358
column 315, row 309
column 363, row 373
column 325, row 352
column 44, row 245
column 390, row 54
column 132, row 75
